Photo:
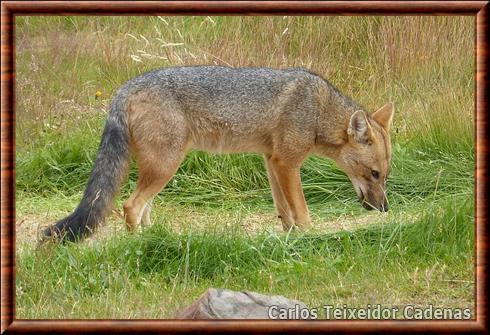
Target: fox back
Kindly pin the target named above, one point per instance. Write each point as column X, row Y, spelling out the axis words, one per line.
column 233, row 110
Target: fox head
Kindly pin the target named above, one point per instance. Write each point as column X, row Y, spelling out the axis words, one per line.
column 366, row 156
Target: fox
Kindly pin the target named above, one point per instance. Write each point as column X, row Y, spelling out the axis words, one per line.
column 285, row 115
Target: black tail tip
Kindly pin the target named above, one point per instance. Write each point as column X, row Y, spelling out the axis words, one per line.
column 52, row 234
column 60, row 233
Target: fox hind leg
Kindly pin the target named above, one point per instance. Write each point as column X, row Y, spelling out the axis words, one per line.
column 150, row 182
column 159, row 141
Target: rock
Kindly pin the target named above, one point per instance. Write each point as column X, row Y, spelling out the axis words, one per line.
column 226, row 304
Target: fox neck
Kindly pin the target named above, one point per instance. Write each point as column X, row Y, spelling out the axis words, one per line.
column 334, row 114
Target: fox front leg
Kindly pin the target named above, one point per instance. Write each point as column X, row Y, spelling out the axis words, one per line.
column 289, row 180
column 280, row 203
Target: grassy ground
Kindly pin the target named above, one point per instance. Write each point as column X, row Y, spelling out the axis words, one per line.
column 214, row 225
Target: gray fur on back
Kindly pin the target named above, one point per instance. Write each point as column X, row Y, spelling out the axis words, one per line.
column 228, row 89
column 245, row 104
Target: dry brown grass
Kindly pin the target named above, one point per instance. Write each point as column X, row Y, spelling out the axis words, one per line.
column 409, row 60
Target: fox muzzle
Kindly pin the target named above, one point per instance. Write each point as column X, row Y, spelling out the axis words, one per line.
column 369, row 203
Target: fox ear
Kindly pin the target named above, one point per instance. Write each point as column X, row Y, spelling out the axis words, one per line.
column 359, row 127
column 384, row 116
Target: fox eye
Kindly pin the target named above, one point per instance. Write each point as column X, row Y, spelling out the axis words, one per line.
column 375, row 174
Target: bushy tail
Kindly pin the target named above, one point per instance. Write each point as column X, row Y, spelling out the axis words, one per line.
column 109, row 170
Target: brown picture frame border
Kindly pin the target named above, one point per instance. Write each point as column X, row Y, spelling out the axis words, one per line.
column 10, row 9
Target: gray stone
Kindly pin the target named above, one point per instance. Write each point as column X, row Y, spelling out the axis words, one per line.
column 226, row 304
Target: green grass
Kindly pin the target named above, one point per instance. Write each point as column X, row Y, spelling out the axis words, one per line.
column 394, row 263
column 421, row 252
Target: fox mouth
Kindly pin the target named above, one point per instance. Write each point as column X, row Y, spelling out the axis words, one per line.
column 363, row 201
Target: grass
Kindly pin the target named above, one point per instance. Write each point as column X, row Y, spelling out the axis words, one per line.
column 395, row 263
column 214, row 223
